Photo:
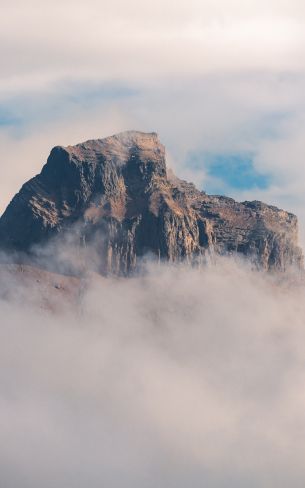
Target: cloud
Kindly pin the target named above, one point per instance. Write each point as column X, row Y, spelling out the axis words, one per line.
column 178, row 376
column 133, row 41
column 181, row 377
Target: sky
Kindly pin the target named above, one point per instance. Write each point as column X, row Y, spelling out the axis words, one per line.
column 218, row 80
column 196, row 378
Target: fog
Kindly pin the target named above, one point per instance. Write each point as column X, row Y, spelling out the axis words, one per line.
column 177, row 377
column 180, row 376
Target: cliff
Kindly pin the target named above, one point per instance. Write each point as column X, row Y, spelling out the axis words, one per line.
column 116, row 192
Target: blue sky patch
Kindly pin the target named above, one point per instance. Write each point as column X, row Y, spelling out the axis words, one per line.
column 233, row 171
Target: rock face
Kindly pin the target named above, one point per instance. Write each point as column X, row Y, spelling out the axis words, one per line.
column 116, row 192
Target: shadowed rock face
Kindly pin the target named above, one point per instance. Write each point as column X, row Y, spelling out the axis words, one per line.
column 117, row 193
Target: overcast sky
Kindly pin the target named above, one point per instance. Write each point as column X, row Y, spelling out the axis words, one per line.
column 197, row 377
column 221, row 81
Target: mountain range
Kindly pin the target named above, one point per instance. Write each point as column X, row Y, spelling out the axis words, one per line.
column 114, row 198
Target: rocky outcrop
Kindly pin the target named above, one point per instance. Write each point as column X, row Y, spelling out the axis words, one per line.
column 116, row 196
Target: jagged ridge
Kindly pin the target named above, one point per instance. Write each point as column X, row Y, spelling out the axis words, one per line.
column 117, row 191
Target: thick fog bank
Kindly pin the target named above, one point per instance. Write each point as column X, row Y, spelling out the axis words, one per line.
column 178, row 378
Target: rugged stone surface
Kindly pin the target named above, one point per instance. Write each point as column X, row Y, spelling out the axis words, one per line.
column 117, row 196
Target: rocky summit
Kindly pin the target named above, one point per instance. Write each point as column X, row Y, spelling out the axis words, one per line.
column 118, row 196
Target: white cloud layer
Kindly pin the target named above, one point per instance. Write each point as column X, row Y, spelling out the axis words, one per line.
column 42, row 41
column 182, row 377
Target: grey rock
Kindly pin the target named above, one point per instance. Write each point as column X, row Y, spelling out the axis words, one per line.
column 119, row 196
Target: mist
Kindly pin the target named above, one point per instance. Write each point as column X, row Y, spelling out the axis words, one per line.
column 179, row 376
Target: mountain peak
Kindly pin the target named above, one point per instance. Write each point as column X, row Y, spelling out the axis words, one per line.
column 120, row 146
column 117, row 193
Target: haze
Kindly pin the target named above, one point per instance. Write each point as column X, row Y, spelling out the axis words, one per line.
column 179, row 377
